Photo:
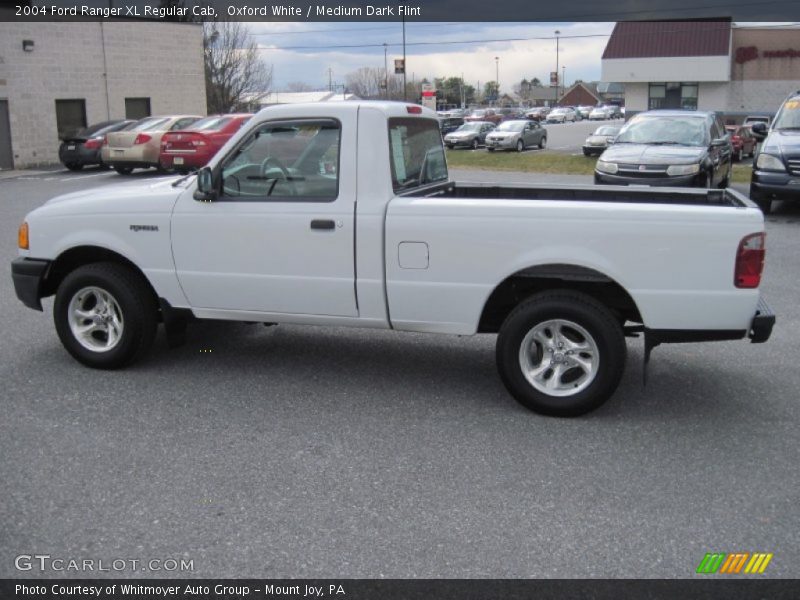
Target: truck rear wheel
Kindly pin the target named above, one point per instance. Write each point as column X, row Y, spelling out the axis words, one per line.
column 561, row 353
column 105, row 315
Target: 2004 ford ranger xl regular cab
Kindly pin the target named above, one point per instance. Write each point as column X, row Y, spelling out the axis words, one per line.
column 345, row 215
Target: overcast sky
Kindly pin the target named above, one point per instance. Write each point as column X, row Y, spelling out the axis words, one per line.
column 526, row 58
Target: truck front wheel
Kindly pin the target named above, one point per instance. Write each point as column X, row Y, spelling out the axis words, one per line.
column 105, row 315
column 561, row 353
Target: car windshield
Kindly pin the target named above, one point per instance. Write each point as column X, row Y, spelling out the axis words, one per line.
column 478, row 113
column 686, row 131
column 210, row 123
column 789, row 115
column 607, row 130
column 148, row 124
column 559, row 111
column 469, row 127
column 511, row 126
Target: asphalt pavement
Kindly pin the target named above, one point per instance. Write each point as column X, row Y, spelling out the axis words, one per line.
column 310, row 452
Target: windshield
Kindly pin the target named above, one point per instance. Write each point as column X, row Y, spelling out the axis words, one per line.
column 687, row 131
column 470, row 127
column 559, row 111
column 789, row 115
column 607, row 130
column 511, row 126
column 148, row 124
column 478, row 113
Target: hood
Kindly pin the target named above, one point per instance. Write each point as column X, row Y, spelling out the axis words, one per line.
column 785, row 143
column 150, row 196
column 647, row 154
column 502, row 134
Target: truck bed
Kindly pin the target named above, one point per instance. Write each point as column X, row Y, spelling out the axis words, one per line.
column 584, row 193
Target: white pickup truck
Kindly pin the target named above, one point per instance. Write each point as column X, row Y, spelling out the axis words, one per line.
column 345, row 215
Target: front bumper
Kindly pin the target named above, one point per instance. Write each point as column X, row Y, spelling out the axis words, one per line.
column 505, row 143
column 594, row 149
column 459, row 143
column 28, row 275
column 783, row 186
column 677, row 181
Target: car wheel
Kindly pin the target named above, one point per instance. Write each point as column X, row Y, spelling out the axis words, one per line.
column 542, row 142
column 74, row 166
column 561, row 353
column 105, row 315
column 475, row 144
column 520, row 145
column 490, row 149
column 587, row 153
column 763, row 202
column 449, row 146
column 124, row 170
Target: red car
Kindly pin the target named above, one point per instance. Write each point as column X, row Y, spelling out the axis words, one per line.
column 742, row 140
column 193, row 147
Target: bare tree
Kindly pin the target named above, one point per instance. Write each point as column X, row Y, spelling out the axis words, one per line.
column 371, row 83
column 299, row 86
column 236, row 77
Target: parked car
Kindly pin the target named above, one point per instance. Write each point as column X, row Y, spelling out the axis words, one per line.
column 561, row 115
column 555, row 271
column 600, row 140
column 484, row 114
column 450, row 124
column 599, row 113
column 614, row 111
column 743, row 141
column 191, row 148
column 139, row 146
column 776, row 167
column 469, row 135
column 83, row 147
column 668, row 147
column 538, row 113
column 584, row 111
column 516, row 135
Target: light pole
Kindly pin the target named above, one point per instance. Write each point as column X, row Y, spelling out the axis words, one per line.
column 557, row 34
column 405, row 66
column 496, row 80
column 564, row 78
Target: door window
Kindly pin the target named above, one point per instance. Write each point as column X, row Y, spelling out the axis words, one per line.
column 285, row 161
column 417, row 155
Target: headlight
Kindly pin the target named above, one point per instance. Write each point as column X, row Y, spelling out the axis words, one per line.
column 769, row 162
column 683, row 169
column 607, row 167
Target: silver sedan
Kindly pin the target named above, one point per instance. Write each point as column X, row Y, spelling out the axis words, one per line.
column 516, row 135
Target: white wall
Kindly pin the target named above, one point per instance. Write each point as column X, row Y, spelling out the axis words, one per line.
column 684, row 68
column 636, row 97
column 162, row 61
column 759, row 96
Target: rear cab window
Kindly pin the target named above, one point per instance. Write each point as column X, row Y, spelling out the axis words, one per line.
column 416, row 153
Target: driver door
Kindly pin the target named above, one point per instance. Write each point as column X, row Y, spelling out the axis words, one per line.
column 279, row 238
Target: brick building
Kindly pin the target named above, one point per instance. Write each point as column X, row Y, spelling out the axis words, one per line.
column 57, row 76
column 705, row 65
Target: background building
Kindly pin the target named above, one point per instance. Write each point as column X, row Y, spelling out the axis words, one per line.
column 56, row 77
column 704, row 65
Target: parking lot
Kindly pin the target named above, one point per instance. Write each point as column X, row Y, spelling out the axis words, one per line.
column 308, row 452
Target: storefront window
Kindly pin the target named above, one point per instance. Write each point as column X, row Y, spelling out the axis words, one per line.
column 672, row 94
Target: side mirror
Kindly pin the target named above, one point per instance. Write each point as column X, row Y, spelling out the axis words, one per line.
column 205, row 191
column 760, row 128
column 723, row 141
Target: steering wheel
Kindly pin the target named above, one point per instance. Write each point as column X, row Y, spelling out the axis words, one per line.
column 271, row 160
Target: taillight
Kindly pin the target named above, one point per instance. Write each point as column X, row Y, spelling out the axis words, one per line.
column 142, row 138
column 750, row 261
column 414, row 110
column 105, row 141
column 94, row 143
column 736, row 138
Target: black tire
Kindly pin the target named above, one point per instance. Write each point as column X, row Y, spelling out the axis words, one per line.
column 137, row 307
column 74, row 166
column 542, row 142
column 124, row 170
column 475, row 144
column 520, row 146
column 449, row 146
column 490, row 149
column 569, row 307
column 587, row 153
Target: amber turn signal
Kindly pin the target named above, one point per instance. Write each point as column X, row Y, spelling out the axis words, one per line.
column 22, row 237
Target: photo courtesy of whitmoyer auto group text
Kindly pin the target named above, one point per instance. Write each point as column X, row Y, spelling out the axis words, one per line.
column 406, row 300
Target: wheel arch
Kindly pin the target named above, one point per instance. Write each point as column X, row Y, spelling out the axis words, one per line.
column 523, row 283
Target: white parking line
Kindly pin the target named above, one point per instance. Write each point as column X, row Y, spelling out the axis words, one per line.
column 84, row 176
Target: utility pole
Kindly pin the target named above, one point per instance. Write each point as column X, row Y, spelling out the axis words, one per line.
column 461, row 92
column 497, row 80
column 564, row 78
column 405, row 66
column 386, row 70
column 330, row 79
